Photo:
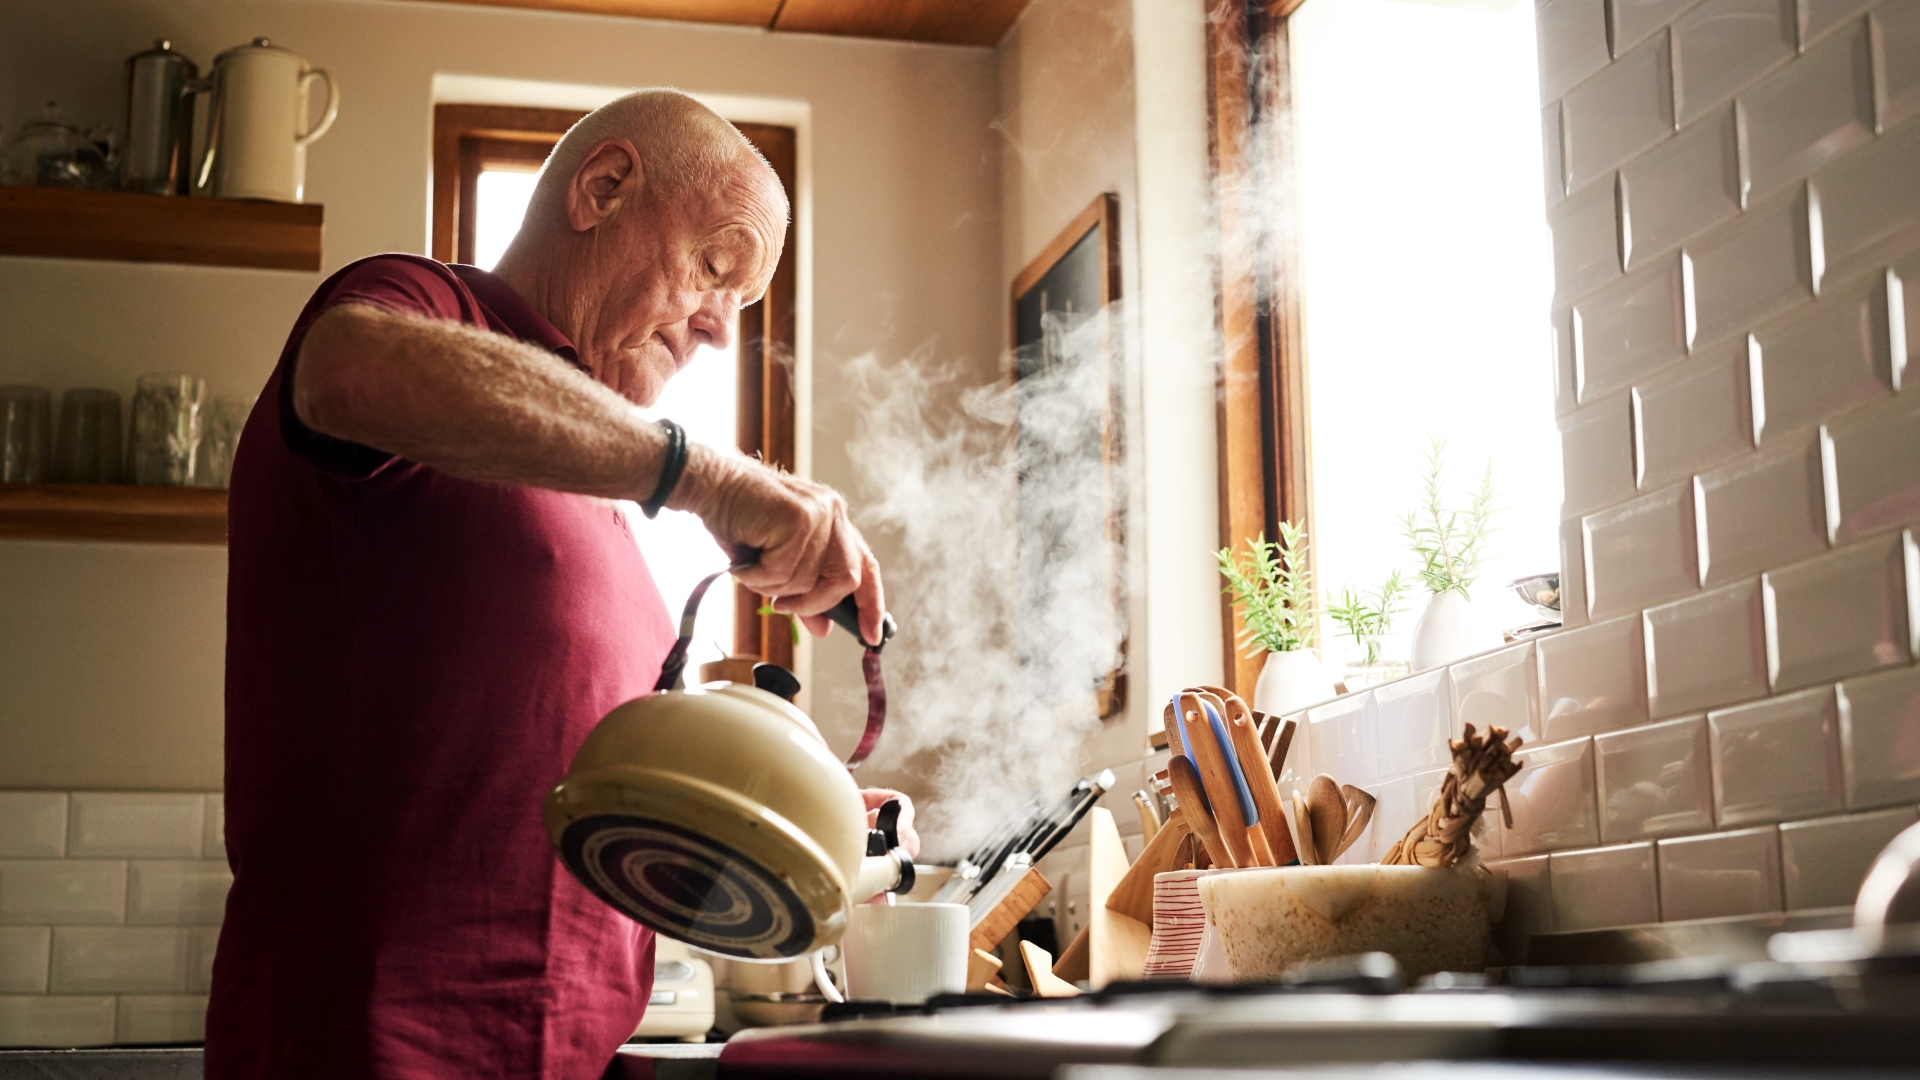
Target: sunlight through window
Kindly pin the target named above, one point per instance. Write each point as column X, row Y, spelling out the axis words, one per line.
column 1427, row 275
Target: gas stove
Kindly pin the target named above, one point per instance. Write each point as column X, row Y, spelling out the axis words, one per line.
column 1670, row 1018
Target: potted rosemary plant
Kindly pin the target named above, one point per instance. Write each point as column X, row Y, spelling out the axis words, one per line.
column 1449, row 544
column 1367, row 616
column 1273, row 589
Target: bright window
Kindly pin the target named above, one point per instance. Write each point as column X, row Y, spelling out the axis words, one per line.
column 702, row 398
column 1427, row 279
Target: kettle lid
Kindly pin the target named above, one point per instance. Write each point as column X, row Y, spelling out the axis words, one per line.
column 259, row 44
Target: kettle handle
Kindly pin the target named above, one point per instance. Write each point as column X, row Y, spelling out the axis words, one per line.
column 333, row 107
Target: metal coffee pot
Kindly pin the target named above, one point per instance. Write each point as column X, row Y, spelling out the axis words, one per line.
column 159, row 121
column 256, row 145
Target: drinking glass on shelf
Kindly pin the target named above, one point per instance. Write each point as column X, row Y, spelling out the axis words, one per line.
column 166, row 428
column 87, row 450
column 226, row 418
column 26, row 434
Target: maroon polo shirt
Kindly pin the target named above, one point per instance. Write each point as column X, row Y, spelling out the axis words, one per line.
column 412, row 660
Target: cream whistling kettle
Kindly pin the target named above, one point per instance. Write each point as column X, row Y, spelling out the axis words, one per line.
column 717, row 816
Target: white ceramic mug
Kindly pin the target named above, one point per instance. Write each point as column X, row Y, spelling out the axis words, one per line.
column 905, row 953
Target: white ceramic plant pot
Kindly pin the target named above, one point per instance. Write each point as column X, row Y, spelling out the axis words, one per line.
column 1449, row 629
column 1290, row 681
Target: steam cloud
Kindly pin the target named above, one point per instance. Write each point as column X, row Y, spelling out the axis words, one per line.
column 1007, row 565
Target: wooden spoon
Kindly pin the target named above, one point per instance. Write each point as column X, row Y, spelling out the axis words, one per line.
column 1300, row 823
column 1327, row 812
column 1359, row 809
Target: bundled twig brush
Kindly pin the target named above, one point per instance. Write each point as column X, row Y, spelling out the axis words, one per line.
column 1482, row 763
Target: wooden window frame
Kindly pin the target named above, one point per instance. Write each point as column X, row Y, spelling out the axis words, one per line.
column 1263, row 421
column 468, row 138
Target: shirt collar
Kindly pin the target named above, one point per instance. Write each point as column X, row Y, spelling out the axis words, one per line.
column 527, row 324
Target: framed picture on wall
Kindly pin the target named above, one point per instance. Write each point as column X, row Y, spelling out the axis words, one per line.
column 1067, row 377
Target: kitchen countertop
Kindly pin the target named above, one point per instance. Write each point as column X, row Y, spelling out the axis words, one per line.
column 635, row 1061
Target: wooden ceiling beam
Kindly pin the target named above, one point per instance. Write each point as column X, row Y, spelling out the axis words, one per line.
column 942, row 22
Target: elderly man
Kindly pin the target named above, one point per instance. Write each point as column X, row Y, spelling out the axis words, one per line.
column 433, row 597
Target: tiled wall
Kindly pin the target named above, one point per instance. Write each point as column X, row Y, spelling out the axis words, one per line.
column 110, row 904
column 1731, row 722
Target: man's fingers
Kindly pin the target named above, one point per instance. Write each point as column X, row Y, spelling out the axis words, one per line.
column 870, row 598
column 817, row 625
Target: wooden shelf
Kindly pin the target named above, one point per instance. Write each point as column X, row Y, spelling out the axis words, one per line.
column 122, row 512
column 62, row 224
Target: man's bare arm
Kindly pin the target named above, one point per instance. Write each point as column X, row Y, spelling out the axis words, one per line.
column 484, row 407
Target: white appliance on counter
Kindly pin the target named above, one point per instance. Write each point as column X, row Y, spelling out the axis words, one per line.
column 682, row 1003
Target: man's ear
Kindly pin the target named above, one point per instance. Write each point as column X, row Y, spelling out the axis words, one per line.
column 609, row 177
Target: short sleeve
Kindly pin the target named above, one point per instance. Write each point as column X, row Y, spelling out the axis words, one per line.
column 407, row 284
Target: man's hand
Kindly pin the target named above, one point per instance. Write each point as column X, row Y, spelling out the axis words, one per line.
column 806, row 553
column 875, row 798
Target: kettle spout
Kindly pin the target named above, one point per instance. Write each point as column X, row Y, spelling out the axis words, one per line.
column 888, row 873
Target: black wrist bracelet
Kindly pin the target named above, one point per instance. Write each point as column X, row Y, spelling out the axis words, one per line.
column 670, row 469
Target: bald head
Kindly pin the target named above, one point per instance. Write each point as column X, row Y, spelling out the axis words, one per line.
column 653, row 222
column 684, row 146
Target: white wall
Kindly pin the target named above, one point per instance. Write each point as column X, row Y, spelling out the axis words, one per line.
column 110, row 656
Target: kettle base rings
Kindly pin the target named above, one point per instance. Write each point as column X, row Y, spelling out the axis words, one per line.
column 687, row 887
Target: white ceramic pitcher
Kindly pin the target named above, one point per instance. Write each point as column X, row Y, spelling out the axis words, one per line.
column 255, row 146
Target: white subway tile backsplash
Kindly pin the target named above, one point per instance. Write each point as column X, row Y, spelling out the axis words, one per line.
column 213, row 841
column 1763, row 510
column 1732, row 873
column 1415, row 722
column 1706, row 650
column 1553, row 799
column 161, row 1019
column 1876, row 466
column 33, row 824
column 1529, row 906
column 1654, row 781
column 1824, row 358
column 1869, row 204
column 1573, row 577
column 1824, row 15
column 61, row 1021
column 1553, row 160
column 1298, row 771
column 1572, row 37
column 62, row 892
column 1596, row 449
column 202, row 941
column 1753, row 266
column 1592, row 679
column 1641, row 552
column 1344, row 737
column 1619, row 112
column 1838, row 614
column 177, row 892
column 1898, row 24
column 1633, row 20
column 1692, row 416
column 1394, row 812
column 1499, row 689
column 1629, row 329
column 1809, row 112
column 1723, row 45
column 119, row 959
column 1685, row 185
column 1586, row 241
column 23, row 959
column 1566, row 388
column 1777, row 759
column 1822, row 862
column 1602, row 887
column 144, row 825
column 1880, row 738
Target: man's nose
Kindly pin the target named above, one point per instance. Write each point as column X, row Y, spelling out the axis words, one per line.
column 716, row 319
